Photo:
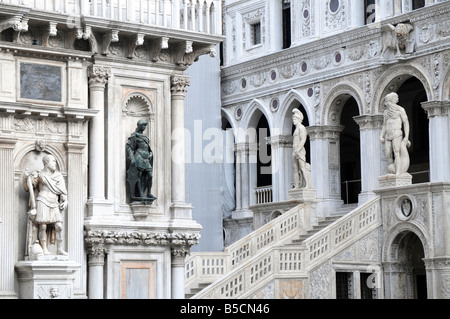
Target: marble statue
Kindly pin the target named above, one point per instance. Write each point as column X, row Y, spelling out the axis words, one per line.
column 47, row 201
column 397, row 38
column 394, row 138
column 302, row 169
column 140, row 165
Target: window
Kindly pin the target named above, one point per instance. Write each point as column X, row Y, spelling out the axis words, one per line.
column 418, row 4
column 344, row 285
column 368, row 290
column 369, row 15
column 256, row 33
column 286, row 21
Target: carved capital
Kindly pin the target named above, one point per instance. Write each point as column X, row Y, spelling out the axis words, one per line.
column 324, row 132
column 280, row 141
column 178, row 256
column 436, row 108
column 368, row 122
column 179, row 84
column 96, row 254
column 98, row 76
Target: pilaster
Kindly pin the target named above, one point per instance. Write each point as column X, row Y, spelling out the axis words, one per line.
column 325, row 166
column 7, row 218
column 439, row 131
column 177, row 269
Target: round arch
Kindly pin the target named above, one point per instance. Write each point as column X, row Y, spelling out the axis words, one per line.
column 395, row 236
column 335, row 100
column 50, row 149
column 284, row 120
column 393, row 78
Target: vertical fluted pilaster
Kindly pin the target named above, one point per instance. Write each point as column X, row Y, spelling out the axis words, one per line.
column 7, row 216
column 75, row 211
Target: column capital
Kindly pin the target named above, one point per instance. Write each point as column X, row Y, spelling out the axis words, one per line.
column 280, row 141
column 98, row 75
column 367, row 122
column 178, row 255
column 179, row 84
column 436, row 108
column 96, row 254
column 324, row 132
column 246, row 148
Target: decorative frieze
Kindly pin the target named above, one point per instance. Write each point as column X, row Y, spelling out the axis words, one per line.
column 96, row 237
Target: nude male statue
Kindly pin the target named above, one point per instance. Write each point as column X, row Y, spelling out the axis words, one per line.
column 395, row 142
column 302, row 170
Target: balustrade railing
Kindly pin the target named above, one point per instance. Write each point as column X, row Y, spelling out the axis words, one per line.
column 263, row 194
column 199, row 16
column 331, row 239
column 252, row 268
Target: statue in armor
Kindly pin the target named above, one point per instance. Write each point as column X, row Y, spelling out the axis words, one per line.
column 140, row 165
column 47, row 201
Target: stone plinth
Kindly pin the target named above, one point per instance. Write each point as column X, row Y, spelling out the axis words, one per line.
column 392, row 180
column 302, row 194
column 46, row 279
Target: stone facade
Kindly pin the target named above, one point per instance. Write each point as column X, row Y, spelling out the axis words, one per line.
column 73, row 85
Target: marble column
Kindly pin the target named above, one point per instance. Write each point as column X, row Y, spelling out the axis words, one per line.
column 98, row 78
column 96, row 262
column 282, row 168
column 439, row 131
column 371, row 154
column 325, row 167
column 177, row 271
column 180, row 210
column 245, row 179
column 7, row 217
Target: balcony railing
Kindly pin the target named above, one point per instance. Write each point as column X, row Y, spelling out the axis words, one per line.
column 203, row 16
column 263, row 194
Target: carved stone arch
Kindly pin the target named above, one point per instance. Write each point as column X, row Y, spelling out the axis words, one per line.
column 445, row 85
column 284, row 121
column 335, row 101
column 137, row 104
column 225, row 113
column 27, row 149
column 395, row 236
column 393, row 78
column 250, row 118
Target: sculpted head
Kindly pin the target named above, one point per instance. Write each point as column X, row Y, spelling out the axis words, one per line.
column 391, row 98
column 297, row 116
column 49, row 161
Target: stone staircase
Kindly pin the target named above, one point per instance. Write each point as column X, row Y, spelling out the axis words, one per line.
column 320, row 225
column 286, row 247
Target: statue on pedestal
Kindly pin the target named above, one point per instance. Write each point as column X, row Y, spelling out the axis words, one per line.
column 395, row 139
column 47, row 201
column 302, row 169
column 140, row 165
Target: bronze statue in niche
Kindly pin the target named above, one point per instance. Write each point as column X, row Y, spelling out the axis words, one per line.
column 140, row 165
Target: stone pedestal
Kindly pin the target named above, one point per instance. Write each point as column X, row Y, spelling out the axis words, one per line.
column 302, row 194
column 46, row 279
column 391, row 180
